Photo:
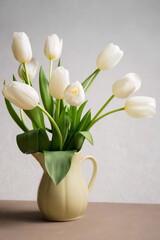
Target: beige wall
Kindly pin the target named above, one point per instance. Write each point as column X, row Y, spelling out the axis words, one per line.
column 126, row 149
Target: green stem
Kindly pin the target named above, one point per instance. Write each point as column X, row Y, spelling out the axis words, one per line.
column 25, row 69
column 97, row 114
column 54, row 124
column 74, row 118
column 58, row 109
column 97, row 71
column 50, row 68
column 85, row 82
column 22, row 118
column 104, row 115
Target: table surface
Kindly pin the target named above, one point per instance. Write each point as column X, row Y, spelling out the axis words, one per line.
column 21, row 220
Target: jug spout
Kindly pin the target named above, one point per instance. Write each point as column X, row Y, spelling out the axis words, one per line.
column 40, row 158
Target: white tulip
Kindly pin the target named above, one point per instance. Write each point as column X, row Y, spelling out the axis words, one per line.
column 126, row 85
column 21, row 47
column 21, row 95
column 58, row 82
column 109, row 57
column 140, row 107
column 74, row 94
column 31, row 66
column 53, row 47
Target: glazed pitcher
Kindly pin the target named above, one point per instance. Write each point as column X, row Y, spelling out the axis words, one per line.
column 69, row 199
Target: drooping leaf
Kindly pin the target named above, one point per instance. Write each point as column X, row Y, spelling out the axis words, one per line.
column 85, row 134
column 33, row 141
column 36, row 116
column 14, row 115
column 57, row 164
column 79, row 138
column 79, row 113
column 44, row 90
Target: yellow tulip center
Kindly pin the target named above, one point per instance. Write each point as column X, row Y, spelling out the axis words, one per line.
column 74, row 91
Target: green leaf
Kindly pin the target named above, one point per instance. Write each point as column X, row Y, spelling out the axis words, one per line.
column 78, row 141
column 34, row 126
column 79, row 113
column 36, row 116
column 64, row 125
column 44, row 90
column 59, row 63
column 63, row 104
column 69, row 114
column 71, row 144
column 72, row 110
column 79, row 138
column 14, row 78
column 14, row 115
column 85, row 134
column 24, row 76
column 58, row 164
column 54, row 110
column 33, row 141
column 84, row 122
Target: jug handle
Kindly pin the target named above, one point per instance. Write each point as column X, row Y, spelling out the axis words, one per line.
column 93, row 160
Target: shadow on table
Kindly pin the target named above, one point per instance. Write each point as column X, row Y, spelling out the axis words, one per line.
column 11, row 217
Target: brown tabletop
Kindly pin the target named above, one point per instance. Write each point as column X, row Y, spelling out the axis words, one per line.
column 21, row 220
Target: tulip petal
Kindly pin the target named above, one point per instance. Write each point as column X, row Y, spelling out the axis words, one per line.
column 140, row 107
column 74, row 94
column 53, row 47
column 21, row 47
column 58, row 82
column 126, row 85
column 109, row 57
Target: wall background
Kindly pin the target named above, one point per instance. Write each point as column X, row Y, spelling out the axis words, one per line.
column 126, row 149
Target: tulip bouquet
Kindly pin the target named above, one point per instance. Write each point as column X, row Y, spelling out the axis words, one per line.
column 63, row 103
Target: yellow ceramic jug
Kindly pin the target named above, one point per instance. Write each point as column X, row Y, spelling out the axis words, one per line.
column 69, row 199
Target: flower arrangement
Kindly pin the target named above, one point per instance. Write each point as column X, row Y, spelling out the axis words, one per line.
column 63, row 103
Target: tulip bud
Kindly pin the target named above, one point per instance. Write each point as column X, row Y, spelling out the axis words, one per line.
column 21, row 95
column 140, row 107
column 31, row 66
column 109, row 57
column 74, row 94
column 53, row 47
column 21, row 47
column 126, row 85
column 58, row 82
